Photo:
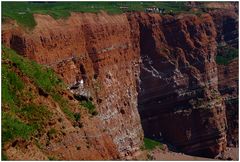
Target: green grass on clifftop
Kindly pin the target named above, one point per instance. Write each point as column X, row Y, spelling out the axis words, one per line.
column 23, row 12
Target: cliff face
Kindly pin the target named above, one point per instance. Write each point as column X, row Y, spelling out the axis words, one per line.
column 97, row 51
column 61, row 128
column 163, row 65
column 178, row 97
column 226, row 22
column 228, row 86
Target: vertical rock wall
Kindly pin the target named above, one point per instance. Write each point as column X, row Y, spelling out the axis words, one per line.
column 178, row 97
column 226, row 22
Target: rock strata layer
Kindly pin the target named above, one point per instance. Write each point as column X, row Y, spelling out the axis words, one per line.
column 178, row 98
column 226, row 22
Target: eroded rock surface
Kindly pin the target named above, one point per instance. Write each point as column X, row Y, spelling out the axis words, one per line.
column 228, row 86
column 226, row 22
column 94, row 55
column 178, row 97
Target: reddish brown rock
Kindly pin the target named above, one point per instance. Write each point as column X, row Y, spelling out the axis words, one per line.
column 226, row 22
column 59, row 137
column 96, row 51
column 99, row 57
column 178, row 97
column 228, row 86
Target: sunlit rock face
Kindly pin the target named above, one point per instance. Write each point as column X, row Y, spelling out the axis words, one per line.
column 95, row 56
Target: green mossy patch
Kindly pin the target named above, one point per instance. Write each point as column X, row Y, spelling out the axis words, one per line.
column 225, row 54
column 150, row 144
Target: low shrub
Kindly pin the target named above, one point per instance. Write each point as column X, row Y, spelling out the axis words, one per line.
column 150, row 144
column 225, row 54
column 90, row 106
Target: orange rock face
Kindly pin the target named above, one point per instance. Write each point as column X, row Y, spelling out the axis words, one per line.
column 96, row 50
column 162, row 65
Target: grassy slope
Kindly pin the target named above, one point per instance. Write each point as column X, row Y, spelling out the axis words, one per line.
column 23, row 11
column 150, row 144
column 21, row 118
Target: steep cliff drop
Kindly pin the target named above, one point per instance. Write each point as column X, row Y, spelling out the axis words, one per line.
column 161, row 67
column 225, row 17
column 229, row 90
column 178, row 97
column 227, row 39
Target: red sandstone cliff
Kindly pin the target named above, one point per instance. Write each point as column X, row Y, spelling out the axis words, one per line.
column 98, row 49
column 177, row 82
column 228, row 86
column 226, row 22
column 178, row 98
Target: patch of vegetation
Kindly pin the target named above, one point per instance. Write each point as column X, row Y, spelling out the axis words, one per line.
column 52, row 158
column 225, row 54
column 13, row 128
column 150, row 144
column 51, row 132
column 77, row 116
column 64, row 105
column 43, row 77
column 36, row 115
column 90, row 106
column 23, row 12
column 198, row 13
column 4, row 156
column 11, row 85
column 21, row 119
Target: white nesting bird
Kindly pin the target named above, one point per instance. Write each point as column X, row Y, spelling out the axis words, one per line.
column 81, row 82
